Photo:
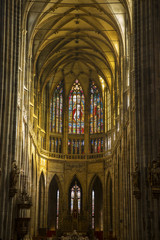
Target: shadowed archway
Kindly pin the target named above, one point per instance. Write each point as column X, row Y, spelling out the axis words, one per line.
column 109, row 204
column 96, row 196
column 41, row 212
column 53, row 204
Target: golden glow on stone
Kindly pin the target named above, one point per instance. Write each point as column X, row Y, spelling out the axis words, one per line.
column 43, row 164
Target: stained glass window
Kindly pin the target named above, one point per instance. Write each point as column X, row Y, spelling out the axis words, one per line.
column 56, row 107
column 108, row 110
column 57, row 217
column 75, row 146
column 96, row 111
column 96, row 145
column 55, row 145
column 75, row 198
column 109, row 142
column 76, row 109
column 93, row 206
column 69, row 146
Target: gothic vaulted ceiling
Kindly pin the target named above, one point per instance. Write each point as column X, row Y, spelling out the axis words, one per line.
column 75, row 38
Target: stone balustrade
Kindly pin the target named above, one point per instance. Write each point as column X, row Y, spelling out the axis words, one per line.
column 62, row 156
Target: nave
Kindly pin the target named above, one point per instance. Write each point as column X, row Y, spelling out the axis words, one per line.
column 79, row 120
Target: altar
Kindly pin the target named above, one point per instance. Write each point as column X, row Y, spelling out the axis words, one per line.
column 74, row 236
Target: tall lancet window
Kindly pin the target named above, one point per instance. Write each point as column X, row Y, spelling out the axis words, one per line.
column 96, row 111
column 56, row 107
column 93, row 206
column 57, row 212
column 75, row 199
column 76, row 109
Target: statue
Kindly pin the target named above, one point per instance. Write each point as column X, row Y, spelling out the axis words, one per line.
column 155, row 174
column 24, row 199
column 13, row 178
column 136, row 181
column 155, row 178
column 136, row 177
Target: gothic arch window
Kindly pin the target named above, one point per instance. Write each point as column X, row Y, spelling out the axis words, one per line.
column 96, row 110
column 75, row 146
column 76, row 109
column 57, row 210
column 96, row 204
column 41, row 201
column 109, row 203
column 93, row 208
column 75, row 197
column 96, row 145
column 53, row 204
column 56, row 107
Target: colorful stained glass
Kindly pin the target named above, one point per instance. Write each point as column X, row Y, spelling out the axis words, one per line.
column 102, row 145
column 92, row 146
column 51, row 116
column 82, row 146
column 96, row 110
column 96, row 145
column 55, row 144
column 78, row 148
column 56, row 108
column 75, row 198
column 99, row 146
column 75, row 146
column 76, row 109
column 60, row 145
column 82, row 128
column 93, row 207
column 69, row 146
column 57, row 218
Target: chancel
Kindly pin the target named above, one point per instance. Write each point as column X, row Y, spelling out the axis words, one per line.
column 79, row 119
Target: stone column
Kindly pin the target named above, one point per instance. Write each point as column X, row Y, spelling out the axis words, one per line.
column 9, row 45
column 147, row 85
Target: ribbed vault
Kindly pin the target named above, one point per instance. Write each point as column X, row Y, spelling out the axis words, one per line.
column 75, row 38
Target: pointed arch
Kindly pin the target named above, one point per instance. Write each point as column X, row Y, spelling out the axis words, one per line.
column 54, row 194
column 41, row 205
column 58, row 182
column 75, row 196
column 76, row 109
column 96, row 203
column 96, row 109
column 109, row 204
column 56, row 108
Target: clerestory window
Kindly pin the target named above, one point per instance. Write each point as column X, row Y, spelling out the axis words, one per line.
column 76, row 109
column 56, row 108
column 96, row 110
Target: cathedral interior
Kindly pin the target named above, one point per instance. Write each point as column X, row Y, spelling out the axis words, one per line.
column 79, row 119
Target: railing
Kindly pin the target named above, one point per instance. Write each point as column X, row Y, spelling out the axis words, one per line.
column 75, row 156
